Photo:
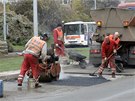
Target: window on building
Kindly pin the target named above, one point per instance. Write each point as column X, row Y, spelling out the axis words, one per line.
column 66, row 1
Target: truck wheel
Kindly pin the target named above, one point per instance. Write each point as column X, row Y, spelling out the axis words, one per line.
column 119, row 67
column 83, row 64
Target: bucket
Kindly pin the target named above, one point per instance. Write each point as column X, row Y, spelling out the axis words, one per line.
column 1, row 88
column 31, row 83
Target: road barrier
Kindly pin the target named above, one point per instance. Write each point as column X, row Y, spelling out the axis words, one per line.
column 1, row 88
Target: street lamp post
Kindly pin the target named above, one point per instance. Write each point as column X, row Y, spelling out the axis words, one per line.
column 95, row 4
column 4, row 15
column 35, row 18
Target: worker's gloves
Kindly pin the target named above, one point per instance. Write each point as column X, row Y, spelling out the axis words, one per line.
column 114, row 51
column 20, row 53
column 56, row 45
column 104, row 60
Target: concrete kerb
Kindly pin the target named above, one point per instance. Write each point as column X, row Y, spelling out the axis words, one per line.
column 75, row 69
column 9, row 75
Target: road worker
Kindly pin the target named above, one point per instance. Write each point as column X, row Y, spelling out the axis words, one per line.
column 59, row 40
column 36, row 47
column 115, row 37
column 109, row 46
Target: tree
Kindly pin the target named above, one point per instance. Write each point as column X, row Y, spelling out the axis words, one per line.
column 19, row 26
column 49, row 14
column 23, row 7
column 79, row 10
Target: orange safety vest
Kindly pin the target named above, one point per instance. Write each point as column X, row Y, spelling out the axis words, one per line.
column 36, row 45
column 60, row 34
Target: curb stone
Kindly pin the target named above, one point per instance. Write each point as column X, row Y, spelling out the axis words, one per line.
column 9, row 75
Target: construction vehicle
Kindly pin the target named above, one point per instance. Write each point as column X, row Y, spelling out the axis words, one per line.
column 110, row 20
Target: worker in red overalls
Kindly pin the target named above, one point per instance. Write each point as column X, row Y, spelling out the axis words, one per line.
column 59, row 40
column 115, row 37
column 109, row 46
column 36, row 47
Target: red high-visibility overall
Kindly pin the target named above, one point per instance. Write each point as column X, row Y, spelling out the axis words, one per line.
column 30, row 60
column 107, row 50
column 58, row 39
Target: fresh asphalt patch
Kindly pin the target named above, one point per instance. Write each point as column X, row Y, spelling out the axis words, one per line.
column 79, row 80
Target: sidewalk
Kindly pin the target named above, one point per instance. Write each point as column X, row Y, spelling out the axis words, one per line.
column 75, row 69
column 69, row 69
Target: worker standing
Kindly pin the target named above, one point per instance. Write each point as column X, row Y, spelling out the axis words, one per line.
column 36, row 47
column 59, row 40
column 115, row 37
column 109, row 46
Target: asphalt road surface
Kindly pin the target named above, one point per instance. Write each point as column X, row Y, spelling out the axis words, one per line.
column 74, row 87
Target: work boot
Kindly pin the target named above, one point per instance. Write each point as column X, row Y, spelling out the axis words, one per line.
column 19, row 83
column 20, row 80
column 113, row 75
column 100, row 74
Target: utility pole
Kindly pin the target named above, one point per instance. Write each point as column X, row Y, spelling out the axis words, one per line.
column 95, row 4
column 4, row 16
column 35, row 18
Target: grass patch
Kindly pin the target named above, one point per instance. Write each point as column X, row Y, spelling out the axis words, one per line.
column 14, row 62
column 10, row 63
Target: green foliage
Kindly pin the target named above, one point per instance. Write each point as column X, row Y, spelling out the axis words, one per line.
column 74, row 12
column 10, row 47
column 18, row 48
column 19, row 28
column 50, row 41
column 23, row 7
column 49, row 15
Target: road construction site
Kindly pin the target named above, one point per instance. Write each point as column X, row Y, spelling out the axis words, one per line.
column 72, row 78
